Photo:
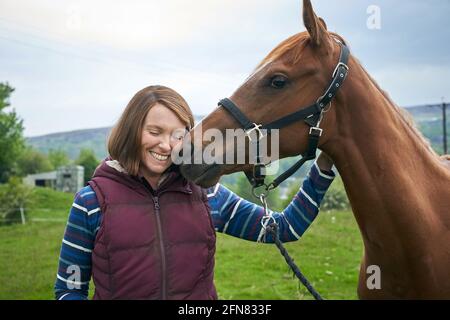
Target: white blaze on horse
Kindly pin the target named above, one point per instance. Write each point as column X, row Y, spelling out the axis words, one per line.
column 398, row 187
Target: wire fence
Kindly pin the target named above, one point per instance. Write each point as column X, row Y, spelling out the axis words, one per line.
column 23, row 219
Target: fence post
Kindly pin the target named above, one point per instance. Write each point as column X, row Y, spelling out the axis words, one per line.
column 444, row 124
column 22, row 215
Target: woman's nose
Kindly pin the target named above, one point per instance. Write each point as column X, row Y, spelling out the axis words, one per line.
column 165, row 145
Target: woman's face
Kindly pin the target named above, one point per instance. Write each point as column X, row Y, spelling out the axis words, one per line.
column 162, row 131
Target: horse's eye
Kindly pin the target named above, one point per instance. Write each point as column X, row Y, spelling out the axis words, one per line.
column 278, row 82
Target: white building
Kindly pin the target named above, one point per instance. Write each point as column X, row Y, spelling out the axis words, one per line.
column 66, row 178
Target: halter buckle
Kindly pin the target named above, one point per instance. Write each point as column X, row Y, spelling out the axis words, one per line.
column 317, row 129
column 340, row 64
column 256, row 127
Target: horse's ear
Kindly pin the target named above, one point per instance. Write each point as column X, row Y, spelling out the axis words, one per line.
column 317, row 28
column 323, row 23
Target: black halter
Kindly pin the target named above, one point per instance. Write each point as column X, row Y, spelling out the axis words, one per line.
column 312, row 115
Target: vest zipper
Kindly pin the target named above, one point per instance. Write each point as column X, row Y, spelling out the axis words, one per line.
column 161, row 247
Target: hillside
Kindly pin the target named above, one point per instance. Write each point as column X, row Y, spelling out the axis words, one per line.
column 429, row 122
column 73, row 141
column 428, row 119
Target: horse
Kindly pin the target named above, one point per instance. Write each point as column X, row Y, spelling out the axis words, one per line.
column 398, row 187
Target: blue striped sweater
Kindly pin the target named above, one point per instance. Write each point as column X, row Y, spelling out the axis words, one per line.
column 230, row 214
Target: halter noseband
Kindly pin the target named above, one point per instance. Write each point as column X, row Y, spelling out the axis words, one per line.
column 312, row 115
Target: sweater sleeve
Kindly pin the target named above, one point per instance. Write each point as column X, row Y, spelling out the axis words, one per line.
column 240, row 218
column 75, row 263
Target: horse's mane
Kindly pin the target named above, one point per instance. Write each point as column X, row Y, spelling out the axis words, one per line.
column 402, row 113
column 292, row 49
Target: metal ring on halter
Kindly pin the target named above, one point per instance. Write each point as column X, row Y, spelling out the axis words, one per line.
column 327, row 108
column 262, row 193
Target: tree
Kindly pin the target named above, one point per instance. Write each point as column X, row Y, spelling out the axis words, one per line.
column 88, row 160
column 58, row 158
column 32, row 161
column 13, row 196
column 11, row 135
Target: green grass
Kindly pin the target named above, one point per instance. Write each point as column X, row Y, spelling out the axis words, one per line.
column 29, row 260
column 328, row 254
column 50, row 203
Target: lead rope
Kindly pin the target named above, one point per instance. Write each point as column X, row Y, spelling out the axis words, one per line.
column 272, row 228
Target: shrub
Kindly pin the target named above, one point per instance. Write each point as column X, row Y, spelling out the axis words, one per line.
column 13, row 196
column 336, row 197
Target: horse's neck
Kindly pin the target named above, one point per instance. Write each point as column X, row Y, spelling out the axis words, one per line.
column 385, row 166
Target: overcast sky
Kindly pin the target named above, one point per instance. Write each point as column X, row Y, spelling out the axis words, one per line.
column 76, row 64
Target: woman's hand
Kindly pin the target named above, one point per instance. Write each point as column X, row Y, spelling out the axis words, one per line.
column 324, row 162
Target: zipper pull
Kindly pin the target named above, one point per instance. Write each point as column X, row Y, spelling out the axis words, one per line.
column 156, row 200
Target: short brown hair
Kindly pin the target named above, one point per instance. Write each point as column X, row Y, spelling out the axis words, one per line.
column 124, row 143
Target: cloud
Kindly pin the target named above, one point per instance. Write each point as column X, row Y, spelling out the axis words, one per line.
column 138, row 24
column 75, row 64
column 422, row 84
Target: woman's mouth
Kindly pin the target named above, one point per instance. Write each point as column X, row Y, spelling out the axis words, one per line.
column 159, row 157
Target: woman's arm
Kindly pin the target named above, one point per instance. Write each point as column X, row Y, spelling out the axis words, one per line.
column 240, row 218
column 74, row 271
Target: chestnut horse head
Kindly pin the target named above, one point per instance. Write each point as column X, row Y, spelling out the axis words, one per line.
column 399, row 189
column 295, row 75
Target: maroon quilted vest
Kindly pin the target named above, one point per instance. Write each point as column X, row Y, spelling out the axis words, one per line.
column 152, row 244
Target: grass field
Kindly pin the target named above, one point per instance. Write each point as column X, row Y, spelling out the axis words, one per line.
column 329, row 255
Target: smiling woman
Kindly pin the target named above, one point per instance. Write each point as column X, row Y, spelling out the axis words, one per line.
column 142, row 231
column 155, row 120
column 163, row 130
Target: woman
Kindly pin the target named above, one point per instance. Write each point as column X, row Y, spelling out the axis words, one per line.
column 142, row 231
